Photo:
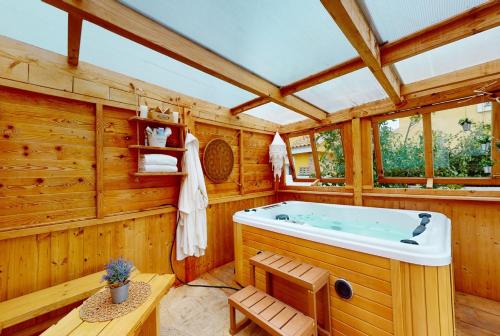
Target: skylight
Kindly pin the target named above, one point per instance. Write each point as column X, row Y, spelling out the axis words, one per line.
column 36, row 23
column 350, row 90
column 275, row 113
column 395, row 19
column 458, row 55
column 280, row 41
column 111, row 51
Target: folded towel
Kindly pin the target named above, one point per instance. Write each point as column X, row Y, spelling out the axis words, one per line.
column 158, row 168
column 159, row 159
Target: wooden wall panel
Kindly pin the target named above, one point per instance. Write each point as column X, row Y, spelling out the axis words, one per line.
column 315, row 197
column 258, row 175
column 47, row 159
column 220, row 249
column 122, row 191
column 34, row 262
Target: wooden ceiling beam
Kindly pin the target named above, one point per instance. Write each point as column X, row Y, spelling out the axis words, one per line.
column 438, row 89
column 473, row 21
column 352, row 22
column 468, row 23
column 120, row 19
column 74, row 38
column 250, row 105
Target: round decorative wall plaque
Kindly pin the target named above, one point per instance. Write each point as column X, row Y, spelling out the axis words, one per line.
column 218, row 160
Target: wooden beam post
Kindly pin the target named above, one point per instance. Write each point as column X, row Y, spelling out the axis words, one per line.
column 124, row 21
column 242, row 162
column 74, row 38
column 314, row 152
column 495, row 151
column 350, row 19
column 367, row 153
column 357, row 162
column 428, row 154
column 99, row 160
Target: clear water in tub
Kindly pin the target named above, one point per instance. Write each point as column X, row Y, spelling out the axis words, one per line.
column 393, row 227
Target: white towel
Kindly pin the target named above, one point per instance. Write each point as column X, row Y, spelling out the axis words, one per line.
column 159, row 159
column 157, row 168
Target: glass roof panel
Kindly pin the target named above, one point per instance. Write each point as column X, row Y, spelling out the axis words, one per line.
column 458, row 55
column 108, row 50
column 36, row 23
column 395, row 19
column 281, row 41
column 275, row 113
column 350, row 90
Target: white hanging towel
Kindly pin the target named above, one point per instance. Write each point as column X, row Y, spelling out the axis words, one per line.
column 193, row 201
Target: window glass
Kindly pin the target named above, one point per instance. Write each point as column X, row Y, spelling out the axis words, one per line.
column 275, row 113
column 330, row 153
column 302, row 156
column 402, row 146
column 462, row 141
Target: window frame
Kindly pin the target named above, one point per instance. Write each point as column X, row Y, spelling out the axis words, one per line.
column 429, row 179
column 311, row 133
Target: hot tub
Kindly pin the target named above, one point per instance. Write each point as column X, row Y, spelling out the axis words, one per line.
column 382, row 232
column 397, row 262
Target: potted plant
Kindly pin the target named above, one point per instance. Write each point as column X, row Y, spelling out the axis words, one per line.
column 485, row 142
column 487, row 163
column 466, row 123
column 117, row 274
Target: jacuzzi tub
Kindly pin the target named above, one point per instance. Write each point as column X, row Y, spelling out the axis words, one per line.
column 374, row 231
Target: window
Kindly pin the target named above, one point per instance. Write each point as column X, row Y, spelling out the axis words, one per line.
column 461, row 140
column 317, row 156
column 330, row 153
column 402, row 147
column 300, row 156
column 484, row 107
column 450, row 145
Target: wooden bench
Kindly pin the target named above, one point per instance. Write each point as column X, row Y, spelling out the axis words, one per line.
column 313, row 279
column 35, row 304
column 143, row 321
column 274, row 316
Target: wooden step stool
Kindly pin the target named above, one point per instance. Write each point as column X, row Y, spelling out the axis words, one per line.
column 270, row 314
column 311, row 278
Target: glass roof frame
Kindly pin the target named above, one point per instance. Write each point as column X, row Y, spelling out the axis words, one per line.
column 46, row 27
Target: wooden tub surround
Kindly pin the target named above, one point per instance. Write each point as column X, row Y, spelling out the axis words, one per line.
column 390, row 297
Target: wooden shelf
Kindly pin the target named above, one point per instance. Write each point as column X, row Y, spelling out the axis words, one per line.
column 158, row 122
column 138, row 174
column 163, row 149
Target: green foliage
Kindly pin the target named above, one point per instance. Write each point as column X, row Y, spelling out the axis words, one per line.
column 331, row 161
column 402, row 156
column 455, row 155
column 460, row 154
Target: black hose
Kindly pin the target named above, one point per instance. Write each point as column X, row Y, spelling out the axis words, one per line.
column 171, row 254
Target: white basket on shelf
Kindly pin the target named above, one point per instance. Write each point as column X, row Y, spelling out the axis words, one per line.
column 156, row 140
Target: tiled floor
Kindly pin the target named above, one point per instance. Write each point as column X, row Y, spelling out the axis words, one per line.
column 191, row 311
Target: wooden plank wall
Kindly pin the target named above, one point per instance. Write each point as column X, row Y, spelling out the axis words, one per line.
column 67, row 200
column 234, row 195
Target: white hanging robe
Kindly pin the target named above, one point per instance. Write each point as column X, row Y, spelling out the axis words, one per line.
column 193, row 201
